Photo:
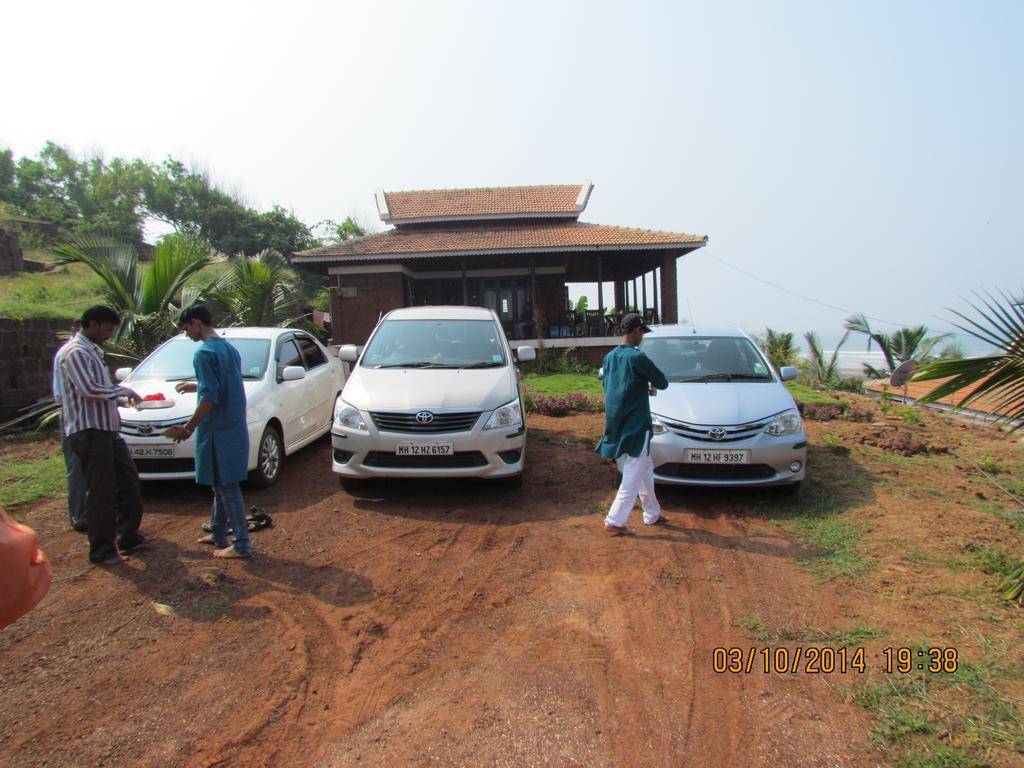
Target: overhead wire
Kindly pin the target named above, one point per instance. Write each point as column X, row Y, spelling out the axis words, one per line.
column 805, row 298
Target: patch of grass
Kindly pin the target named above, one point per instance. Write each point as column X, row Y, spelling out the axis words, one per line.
column 47, row 295
column 910, row 415
column 808, row 396
column 789, row 634
column 1013, row 516
column 563, row 384
column 850, row 638
column 990, row 465
column 964, row 708
column 22, row 482
column 830, row 440
column 995, row 561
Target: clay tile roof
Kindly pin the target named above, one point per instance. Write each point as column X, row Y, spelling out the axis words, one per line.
column 499, row 238
column 991, row 402
column 564, row 200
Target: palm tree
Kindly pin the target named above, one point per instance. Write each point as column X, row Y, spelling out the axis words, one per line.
column 999, row 375
column 148, row 300
column 778, row 345
column 259, row 290
column 825, row 374
column 906, row 344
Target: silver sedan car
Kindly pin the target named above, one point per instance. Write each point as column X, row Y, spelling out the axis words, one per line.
column 726, row 419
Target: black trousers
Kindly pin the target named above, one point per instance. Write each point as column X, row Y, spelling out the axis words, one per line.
column 113, row 495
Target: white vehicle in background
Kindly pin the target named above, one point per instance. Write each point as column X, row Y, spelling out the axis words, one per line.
column 434, row 394
column 291, row 382
column 726, row 418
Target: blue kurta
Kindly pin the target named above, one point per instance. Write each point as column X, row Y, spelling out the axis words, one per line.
column 222, row 436
column 627, row 411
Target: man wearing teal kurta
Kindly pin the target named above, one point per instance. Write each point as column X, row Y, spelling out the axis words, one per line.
column 222, row 437
column 628, row 376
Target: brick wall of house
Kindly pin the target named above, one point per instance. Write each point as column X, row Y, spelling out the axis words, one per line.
column 353, row 317
column 26, row 361
column 550, row 302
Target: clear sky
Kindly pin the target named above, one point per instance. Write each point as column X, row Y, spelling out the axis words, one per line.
column 866, row 154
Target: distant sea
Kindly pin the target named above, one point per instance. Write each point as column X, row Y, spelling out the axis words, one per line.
column 853, row 355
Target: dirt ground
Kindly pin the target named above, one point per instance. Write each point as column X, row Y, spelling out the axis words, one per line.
column 454, row 623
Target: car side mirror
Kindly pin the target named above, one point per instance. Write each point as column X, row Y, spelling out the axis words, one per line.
column 526, row 354
column 788, row 373
column 348, row 352
column 293, row 373
column 123, row 373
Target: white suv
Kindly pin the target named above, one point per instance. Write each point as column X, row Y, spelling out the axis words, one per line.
column 434, row 394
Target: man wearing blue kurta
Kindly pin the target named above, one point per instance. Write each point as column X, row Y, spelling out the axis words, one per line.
column 222, row 438
column 628, row 376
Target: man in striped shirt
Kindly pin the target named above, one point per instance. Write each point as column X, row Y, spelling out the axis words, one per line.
column 113, row 497
column 73, row 467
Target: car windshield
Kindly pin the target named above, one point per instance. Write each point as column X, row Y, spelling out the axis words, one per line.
column 173, row 360
column 436, row 344
column 706, row 358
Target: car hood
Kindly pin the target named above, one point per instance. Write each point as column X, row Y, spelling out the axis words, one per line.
column 184, row 404
column 373, row 389
column 721, row 403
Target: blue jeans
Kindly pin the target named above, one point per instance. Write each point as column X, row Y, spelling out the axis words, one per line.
column 229, row 512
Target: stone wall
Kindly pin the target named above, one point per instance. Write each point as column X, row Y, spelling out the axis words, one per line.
column 26, row 361
column 10, row 252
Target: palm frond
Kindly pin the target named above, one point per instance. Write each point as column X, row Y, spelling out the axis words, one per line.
column 999, row 376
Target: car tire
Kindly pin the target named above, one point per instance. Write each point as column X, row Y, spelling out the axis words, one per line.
column 269, row 458
column 352, row 483
column 512, row 482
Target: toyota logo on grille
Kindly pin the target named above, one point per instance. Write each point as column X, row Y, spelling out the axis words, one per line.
column 717, row 433
column 424, row 417
column 145, row 429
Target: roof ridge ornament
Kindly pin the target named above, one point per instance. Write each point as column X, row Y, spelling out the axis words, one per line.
column 382, row 204
column 584, row 196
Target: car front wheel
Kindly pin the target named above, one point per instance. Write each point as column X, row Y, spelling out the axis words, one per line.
column 269, row 459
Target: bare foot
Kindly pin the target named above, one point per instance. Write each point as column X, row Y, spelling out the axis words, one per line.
column 230, row 553
column 208, row 539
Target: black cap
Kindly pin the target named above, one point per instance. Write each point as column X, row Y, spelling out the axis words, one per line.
column 632, row 321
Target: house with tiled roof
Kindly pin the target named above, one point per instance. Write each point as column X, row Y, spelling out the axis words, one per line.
column 512, row 249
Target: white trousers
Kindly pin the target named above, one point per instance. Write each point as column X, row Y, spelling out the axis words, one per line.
column 637, row 479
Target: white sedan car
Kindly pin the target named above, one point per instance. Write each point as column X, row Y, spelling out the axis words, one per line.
column 291, row 382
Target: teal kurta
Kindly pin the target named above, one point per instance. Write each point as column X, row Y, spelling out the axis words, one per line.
column 222, row 436
column 627, row 412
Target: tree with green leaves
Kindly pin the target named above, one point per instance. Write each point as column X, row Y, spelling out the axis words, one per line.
column 1000, row 376
column 260, row 290
column 904, row 345
column 778, row 345
column 148, row 300
column 824, row 374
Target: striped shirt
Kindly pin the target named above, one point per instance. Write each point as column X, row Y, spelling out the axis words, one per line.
column 89, row 396
column 56, row 367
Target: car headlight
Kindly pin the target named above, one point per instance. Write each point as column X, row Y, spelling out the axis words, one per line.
column 656, row 425
column 785, row 423
column 347, row 416
column 508, row 415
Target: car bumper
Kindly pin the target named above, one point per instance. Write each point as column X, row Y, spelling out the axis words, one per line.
column 491, row 453
column 152, row 461
column 770, row 461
